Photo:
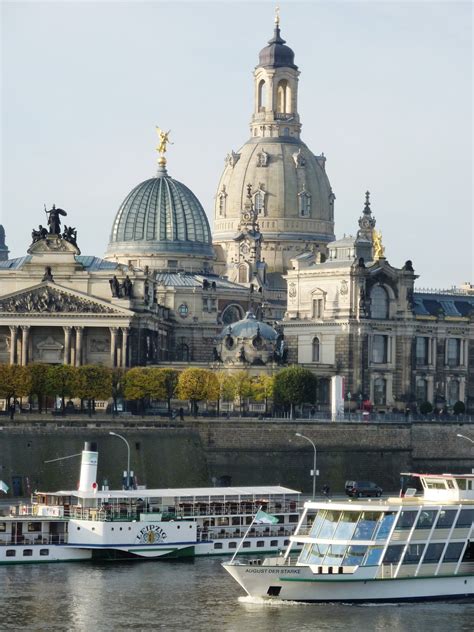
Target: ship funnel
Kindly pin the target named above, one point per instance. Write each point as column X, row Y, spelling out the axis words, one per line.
column 90, row 457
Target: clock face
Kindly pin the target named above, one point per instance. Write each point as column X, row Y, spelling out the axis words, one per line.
column 365, row 223
column 244, row 249
column 246, row 217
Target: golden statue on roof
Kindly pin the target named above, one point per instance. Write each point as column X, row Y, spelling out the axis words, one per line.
column 379, row 248
column 162, row 143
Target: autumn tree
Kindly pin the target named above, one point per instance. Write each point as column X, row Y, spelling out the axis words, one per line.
column 40, row 385
column 167, row 379
column 294, row 386
column 226, row 388
column 62, row 381
column 243, row 387
column 136, row 385
column 263, row 389
column 15, row 382
column 93, row 382
column 197, row 385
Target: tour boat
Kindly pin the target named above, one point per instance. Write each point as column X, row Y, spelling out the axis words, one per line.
column 416, row 547
column 144, row 523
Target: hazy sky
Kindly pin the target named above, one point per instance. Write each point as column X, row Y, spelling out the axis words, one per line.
column 385, row 92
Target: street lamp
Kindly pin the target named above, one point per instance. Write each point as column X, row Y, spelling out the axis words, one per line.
column 298, row 434
column 464, row 437
column 115, row 434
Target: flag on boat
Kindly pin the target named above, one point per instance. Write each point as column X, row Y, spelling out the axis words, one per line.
column 261, row 517
column 3, row 487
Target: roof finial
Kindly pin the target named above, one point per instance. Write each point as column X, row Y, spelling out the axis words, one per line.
column 163, row 142
column 277, row 16
column 367, row 202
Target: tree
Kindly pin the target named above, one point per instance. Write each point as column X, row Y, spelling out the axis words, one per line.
column 426, row 408
column 294, row 386
column 93, row 382
column 15, row 382
column 459, row 408
column 62, row 381
column 39, row 382
column 226, row 389
column 197, row 385
column 243, row 387
column 169, row 381
column 136, row 385
column 263, row 389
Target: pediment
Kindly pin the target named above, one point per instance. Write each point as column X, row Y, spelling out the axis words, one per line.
column 50, row 298
column 53, row 244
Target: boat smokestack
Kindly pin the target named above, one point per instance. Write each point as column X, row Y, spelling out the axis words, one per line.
column 90, row 457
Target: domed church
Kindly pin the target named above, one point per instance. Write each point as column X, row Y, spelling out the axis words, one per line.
column 288, row 185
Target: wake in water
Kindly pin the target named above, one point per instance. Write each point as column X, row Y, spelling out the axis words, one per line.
column 260, row 601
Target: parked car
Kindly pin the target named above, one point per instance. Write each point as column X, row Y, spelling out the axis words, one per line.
column 356, row 489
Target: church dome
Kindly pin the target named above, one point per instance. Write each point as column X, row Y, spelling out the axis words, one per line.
column 161, row 216
column 276, row 54
column 249, row 341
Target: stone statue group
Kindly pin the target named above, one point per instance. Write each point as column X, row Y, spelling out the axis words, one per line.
column 69, row 233
column 121, row 290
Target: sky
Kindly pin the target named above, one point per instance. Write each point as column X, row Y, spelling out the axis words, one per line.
column 385, row 92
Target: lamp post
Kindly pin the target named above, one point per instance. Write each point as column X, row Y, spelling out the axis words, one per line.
column 115, row 434
column 464, row 437
column 298, row 434
column 349, row 397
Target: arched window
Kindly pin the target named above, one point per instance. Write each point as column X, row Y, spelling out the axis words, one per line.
column 182, row 353
column 283, row 97
column 231, row 314
column 453, row 392
column 262, row 95
column 380, row 391
column 421, row 390
column 378, row 302
column 243, row 274
column 316, row 349
column 259, row 202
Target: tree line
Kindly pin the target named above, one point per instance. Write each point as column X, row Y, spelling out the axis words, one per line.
column 287, row 388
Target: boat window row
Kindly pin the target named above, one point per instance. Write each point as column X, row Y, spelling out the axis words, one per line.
column 247, row 545
column 360, row 555
column 372, row 525
column 25, row 552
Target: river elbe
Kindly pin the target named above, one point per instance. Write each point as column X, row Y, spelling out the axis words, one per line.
column 187, row 595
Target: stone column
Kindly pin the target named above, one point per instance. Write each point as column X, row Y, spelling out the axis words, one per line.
column 113, row 346
column 25, row 331
column 79, row 332
column 13, row 343
column 67, row 345
column 125, row 333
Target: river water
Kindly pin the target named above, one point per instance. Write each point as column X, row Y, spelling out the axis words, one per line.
column 181, row 595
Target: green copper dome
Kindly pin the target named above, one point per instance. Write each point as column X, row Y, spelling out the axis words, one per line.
column 161, row 215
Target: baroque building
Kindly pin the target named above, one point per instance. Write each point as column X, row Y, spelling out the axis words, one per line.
column 288, row 186
column 353, row 314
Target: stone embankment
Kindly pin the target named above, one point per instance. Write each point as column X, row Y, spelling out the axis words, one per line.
column 202, row 452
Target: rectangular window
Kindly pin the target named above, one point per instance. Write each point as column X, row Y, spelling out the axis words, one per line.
column 10, row 553
column 379, row 349
column 27, row 552
column 426, row 519
column 454, row 351
column 433, row 553
column 385, row 526
column 317, row 308
column 413, row 553
column 446, row 518
column 354, row 555
column 406, row 520
column 366, row 526
column 373, row 556
column 422, row 350
column 246, row 545
column 453, row 552
column 3, row 526
column 466, row 518
column 218, row 545
column 44, row 552
column 393, row 554
column 273, row 542
column 172, row 263
column 260, row 543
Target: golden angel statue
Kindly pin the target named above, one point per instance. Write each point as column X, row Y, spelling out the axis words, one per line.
column 379, row 249
column 164, row 140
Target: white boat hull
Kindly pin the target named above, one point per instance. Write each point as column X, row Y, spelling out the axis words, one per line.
column 298, row 583
column 19, row 554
